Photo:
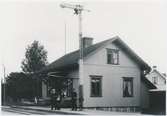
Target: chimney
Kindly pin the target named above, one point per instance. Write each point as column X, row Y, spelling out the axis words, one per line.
column 154, row 67
column 87, row 41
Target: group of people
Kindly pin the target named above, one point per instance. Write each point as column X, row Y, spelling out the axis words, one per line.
column 56, row 100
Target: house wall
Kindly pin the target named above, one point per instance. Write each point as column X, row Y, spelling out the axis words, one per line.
column 75, row 75
column 144, row 96
column 112, row 82
column 99, row 57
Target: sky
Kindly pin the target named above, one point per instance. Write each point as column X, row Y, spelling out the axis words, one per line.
column 139, row 23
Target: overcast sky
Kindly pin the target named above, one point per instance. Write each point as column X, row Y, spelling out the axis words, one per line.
column 140, row 24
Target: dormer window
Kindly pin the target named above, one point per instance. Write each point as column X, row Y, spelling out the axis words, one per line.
column 113, row 56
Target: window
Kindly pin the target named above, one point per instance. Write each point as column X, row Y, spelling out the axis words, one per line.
column 96, row 86
column 112, row 56
column 155, row 80
column 127, row 87
column 67, row 91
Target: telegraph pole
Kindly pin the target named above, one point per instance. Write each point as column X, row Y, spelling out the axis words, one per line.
column 65, row 38
column 78, row 11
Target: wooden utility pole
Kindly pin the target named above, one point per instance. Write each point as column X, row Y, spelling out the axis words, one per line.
column 78, row 11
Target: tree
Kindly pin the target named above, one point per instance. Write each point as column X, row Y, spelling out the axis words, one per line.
column 35, row 58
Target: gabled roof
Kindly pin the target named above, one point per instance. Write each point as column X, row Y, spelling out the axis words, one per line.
column 73, row 57
column 147, row 82
column 163, row 76
column 158, row 86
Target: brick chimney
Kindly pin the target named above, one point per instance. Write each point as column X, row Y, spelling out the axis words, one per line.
column 87, row 41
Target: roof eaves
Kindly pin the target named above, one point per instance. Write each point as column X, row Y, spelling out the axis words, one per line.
column 150, row 84
column 129, row 50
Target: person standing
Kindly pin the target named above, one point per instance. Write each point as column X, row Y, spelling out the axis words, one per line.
column 35, row 100
column 53, row 99
column 74, row 100
column 81, row 103
column 58, row 101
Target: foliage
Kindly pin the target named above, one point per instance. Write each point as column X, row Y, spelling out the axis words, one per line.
column 28, row 84
column 20, row 85
column 35, row 58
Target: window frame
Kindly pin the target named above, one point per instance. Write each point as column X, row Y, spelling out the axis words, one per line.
column 131, row 79
column 100, row 91
column 111, row 52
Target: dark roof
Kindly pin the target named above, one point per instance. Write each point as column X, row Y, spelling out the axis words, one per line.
column 73, row 57
column 147, row 82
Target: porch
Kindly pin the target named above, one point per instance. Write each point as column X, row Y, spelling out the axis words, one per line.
column 63, row 83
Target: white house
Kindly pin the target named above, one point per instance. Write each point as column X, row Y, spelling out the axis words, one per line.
column 114, row 75
column 157, row 78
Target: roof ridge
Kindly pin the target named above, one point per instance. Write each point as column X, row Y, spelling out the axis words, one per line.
column 85, row 48
column 160, row 73
column 71, row 58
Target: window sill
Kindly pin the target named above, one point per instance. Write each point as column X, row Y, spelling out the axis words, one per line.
column 128, row 96
column 95, row 96
column 112, row 64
